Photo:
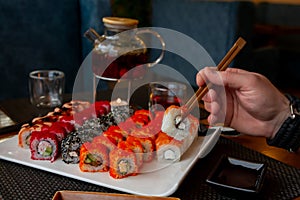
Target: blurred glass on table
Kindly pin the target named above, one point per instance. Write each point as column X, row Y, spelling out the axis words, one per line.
column 46, row 88
column 164, row 94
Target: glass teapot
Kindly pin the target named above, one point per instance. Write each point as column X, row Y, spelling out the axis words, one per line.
column 120, row 52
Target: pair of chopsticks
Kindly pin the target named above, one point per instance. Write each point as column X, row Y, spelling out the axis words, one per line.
column 222, row 66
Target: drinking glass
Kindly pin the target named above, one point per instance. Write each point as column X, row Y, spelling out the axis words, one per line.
column 46, row 88
column 164, row 94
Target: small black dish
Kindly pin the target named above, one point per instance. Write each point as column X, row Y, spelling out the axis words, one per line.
column 237, row 177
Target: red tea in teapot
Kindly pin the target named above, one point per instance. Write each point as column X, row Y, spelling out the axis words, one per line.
column 127, row 66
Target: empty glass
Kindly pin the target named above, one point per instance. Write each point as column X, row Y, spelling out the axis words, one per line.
column 46, row 88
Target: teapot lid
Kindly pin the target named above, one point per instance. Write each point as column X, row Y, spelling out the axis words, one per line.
column 119, row 22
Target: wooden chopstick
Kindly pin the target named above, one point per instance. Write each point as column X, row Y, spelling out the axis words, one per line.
column 222, row 66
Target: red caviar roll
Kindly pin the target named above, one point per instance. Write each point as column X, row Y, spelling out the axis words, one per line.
column 67, row 126
column 109, row 142
column 44, row 146
column 134, row 122
column 102, row 107
column 142, row 112
column 94, row 157
column 140, row 120
column 58, row 130
column 113, row 134
column 122, row 163
column 118, row 129
column 84, row 115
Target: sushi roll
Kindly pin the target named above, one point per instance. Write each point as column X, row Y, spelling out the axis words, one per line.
column 115, row 134
column 93, row 158
column 136, row 146
column 109, row 142
column 58, row 130
column 186, row 127
column 140, row 119
column 171, row 150
column 122, row 163
column 66, row 119
column 118, row 129
column 44, row 146
column 70, row 148
column 90, row 129
column 154, row 125
column 46, row 118
column 25, row 133
column 67, row 126
column 107, row 121
column 75, row 106
column 102, row 108
column 148, row 144
column 120, row 110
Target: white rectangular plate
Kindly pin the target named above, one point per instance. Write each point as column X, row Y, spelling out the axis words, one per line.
column 166, row 183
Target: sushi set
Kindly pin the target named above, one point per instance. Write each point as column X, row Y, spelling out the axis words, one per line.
column 126, row 151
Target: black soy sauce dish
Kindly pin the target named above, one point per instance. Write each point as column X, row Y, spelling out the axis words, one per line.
column 234, row 176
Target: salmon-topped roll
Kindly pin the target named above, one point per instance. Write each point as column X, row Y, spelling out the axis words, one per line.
column 94, row 157
column 170, row 149
column 148, row 144
column 109, row 142
column 24, row 134
column 122, row 163
column 136, row 146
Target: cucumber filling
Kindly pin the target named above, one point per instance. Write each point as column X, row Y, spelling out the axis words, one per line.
column 45, row 148
column 93, row 159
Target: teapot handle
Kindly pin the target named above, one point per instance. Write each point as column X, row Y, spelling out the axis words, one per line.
column 163, row 45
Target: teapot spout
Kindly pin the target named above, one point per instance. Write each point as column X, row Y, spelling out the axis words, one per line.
column 93, row 36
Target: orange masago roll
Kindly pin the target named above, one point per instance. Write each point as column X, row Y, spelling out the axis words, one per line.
column 94, row 157
column 173, row 140
column 123, row 161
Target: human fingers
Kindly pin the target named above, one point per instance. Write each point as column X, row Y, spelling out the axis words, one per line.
column 202, row 77
column 212, row 107
column 210, row 96
column 232, row 77
column 212, row 119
